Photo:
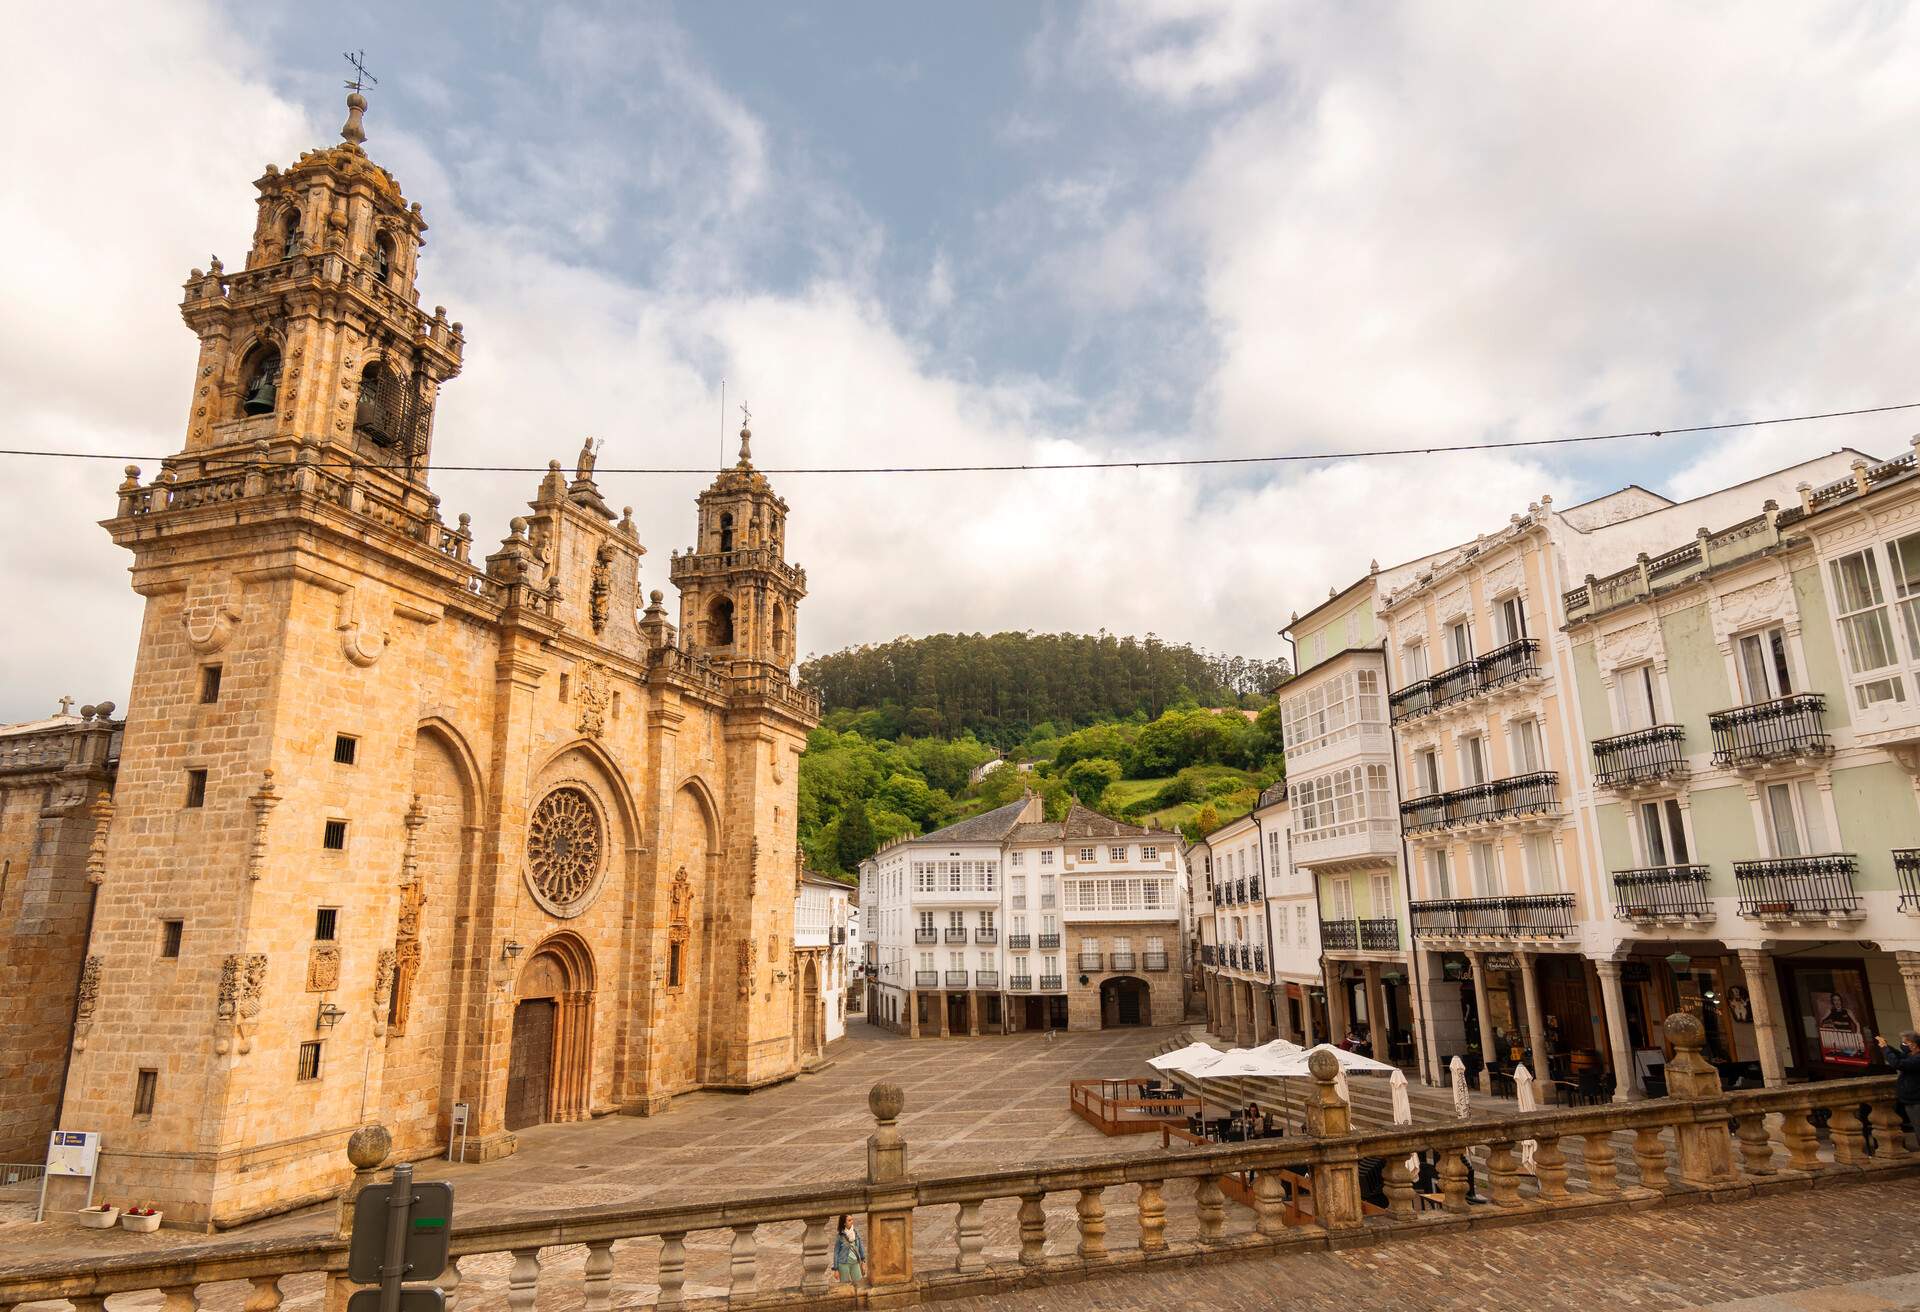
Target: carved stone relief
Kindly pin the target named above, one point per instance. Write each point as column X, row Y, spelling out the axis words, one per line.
column 89, row 1002
column 323, row 967
column 592, row 696
column 1769, row 600
column 1629, row 646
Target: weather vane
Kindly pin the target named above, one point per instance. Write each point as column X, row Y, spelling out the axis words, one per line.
column 746, row 415
column 358, row 58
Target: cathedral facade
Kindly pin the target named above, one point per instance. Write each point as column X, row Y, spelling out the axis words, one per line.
column 401, row 824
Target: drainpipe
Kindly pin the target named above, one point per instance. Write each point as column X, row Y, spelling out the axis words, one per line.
column 1415, row 986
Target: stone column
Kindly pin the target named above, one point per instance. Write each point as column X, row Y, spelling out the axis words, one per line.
column 1701, row 1142
column 1910, row 976
column 890, row 1214
column 973, row 1013
column 1487, row 1054
column 1756, row 966
column 1377, row 1013
column 1536, row 1019
column 1614, row 1003
column 913, row 1013
column 1262, row 1009
column 1337, row 1019
column 946, row 1010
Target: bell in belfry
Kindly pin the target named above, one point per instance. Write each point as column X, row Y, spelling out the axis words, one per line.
column 263, row 394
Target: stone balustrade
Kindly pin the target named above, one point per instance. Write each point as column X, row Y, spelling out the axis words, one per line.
column 1698, row 1142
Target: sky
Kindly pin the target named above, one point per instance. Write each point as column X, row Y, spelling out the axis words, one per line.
column 995, row 233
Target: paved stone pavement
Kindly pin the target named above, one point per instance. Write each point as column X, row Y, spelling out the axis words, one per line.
column 1848, row 1249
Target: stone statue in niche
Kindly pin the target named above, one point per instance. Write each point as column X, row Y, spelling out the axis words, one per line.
column 589, row 456
column 600, row 595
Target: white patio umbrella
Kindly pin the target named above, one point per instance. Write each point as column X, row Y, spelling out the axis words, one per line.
column 1523, row 1094
column 1403, row 1113
column 1299, row 1063
column 1189, row 1060
column 1457, row 1075
column 1340, row 1086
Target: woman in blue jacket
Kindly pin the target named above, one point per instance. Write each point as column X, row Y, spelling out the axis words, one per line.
column 849, row 1257
column 1904, row 1062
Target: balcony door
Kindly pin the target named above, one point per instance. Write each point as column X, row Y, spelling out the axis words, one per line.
column 1426, row 769
column 1764, row 673
column 1340, row 897
column 1634, row 703
column 1414, row 661
column 1459, row 642
column 1528, row 755
column 1439, row 875
column 1473, row 760
column 1486, row 870
column 1796, row 819
column 1509, row 619
column 1663, row 834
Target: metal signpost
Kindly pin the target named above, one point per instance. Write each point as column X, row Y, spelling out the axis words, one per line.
column 458, row 1126
column 70, row 1152
column 400, row 1234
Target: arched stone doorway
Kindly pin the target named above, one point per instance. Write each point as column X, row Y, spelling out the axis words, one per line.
column 810, row 1008
column 549, row 1066
column 1123, row 1001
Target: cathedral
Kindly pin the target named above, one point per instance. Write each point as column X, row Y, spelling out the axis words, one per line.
column 404, row 827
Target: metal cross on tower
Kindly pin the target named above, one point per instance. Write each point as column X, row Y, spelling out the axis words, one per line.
column 746, row 415
column 358, row 58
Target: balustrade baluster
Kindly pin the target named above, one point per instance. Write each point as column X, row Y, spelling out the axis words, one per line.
column 1756, row 1149
column 1550, row 1168
column 82, row 1302
column 1153, row 1217
column 598, row 1276
column 1399, row 1185
column 816, row 1256
column 1093, row 1223
column 1269, row 1204
column 1650, row 1155
column 743, row 1267
column 1033, row 1229
column 523, row 1281
column 1803, row 1144
column 1890, row 1142
column 1849, row 1137
column 449, row 1284
column 673, row 1269
column 1453, row 1182
column 1603, row 1176
column 180, row 1298
column 263, row 1297
column 972, row 1237
column 1210, row 1208
column 1503, row 1173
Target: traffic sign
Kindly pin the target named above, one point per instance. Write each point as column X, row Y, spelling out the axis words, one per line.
column 428, row 1221
column 421, row 1298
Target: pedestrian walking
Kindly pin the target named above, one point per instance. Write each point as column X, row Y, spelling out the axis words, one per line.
column 1904, row 1061
column 849, row 1256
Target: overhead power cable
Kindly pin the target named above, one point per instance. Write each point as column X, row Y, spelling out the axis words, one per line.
column 1049, row 467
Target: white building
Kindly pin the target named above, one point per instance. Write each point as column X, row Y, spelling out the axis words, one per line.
column 824, row 956
column 968, row 925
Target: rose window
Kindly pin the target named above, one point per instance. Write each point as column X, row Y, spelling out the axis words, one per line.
column 563, row 850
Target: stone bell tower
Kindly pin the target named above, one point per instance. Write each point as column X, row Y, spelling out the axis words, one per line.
column 319, row 341
column 738, row 594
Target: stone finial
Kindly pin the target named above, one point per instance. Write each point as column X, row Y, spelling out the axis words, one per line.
column 885, row 1101
column 1689, row 1074
column 886, row 1146
column 746, row 447
column 368, row 1146
column 1323, row 1066
column 131, row 483
column 354, row 131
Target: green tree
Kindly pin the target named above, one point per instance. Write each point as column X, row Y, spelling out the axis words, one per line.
column 854, row 839
column 1088, row 779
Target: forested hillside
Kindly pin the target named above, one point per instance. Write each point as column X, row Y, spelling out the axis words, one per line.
column 913, row 718
column 1000, row 687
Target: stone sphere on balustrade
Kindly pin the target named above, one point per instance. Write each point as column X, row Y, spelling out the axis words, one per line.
column 368, row 1146
column 886, row 1101
column 1685, row 1031
column 1324, row 1066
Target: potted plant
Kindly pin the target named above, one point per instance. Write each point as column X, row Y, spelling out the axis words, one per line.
column 101, row 1216
column 143, row 1219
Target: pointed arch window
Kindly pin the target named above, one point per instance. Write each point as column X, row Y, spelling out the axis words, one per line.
column 260, row 381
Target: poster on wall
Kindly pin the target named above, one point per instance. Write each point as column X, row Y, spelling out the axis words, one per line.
column 1834, row 1016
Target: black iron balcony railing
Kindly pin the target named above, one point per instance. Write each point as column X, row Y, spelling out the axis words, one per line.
column 926, row 936
column 1413, row 700
column 1050, row 983
column 1786, row 887
column 987, row 979
column 1784, row 728
column 1154, row 961
column 1253, row 888
column 1503, row 799
column 1380, row 934
column 1259, row 958
column 956, row 979
column 1020, row 983
column 987, row 934
column 1120, row 961
column 926, row 979
column 1340, row 935
column 1519, row 659
column 1049, row 941
column 1019, row 942
column 1206, row 954
column 1240, row 892
column 1653, row 892
column 956, row 935
column 1906, row 864
column 1455, row 684
column 1641, row 756
column 1089, row 961
column 1534, row 915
